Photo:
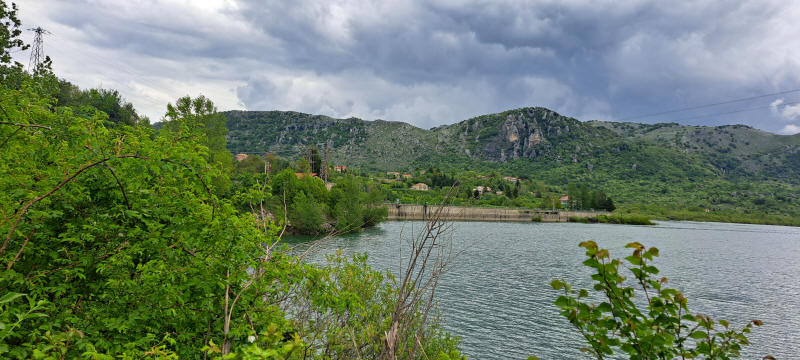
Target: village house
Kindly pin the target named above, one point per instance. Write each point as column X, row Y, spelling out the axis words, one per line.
column 301, row 175
column 407, row 176
column 510, row 179
column 341, row 169
column 420, row 187
column 564, row 200
column 393, row 174
column 240, row 157
column 481, row 189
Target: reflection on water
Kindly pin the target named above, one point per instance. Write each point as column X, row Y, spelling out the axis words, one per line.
column 497, row 296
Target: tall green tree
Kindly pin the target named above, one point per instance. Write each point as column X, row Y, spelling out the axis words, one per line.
column 198, row 120
column 306, row 214
column 108, row 101
column 9, row 34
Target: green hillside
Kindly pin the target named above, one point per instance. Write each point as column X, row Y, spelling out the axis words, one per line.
column 661, row 168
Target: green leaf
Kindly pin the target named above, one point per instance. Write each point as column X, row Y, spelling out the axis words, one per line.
column 7, row 298
column 604, row 307
column 634, row 245
column 557, row 284
column 698, row 335
column 651, row 269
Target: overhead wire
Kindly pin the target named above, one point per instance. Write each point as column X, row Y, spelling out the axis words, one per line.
column 710, row 105
column 737, row 111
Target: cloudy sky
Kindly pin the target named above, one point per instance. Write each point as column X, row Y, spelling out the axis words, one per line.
column 440, row 61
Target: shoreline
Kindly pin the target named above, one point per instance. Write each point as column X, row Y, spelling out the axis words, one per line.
column 767, row 222
column 468, row 213
column 502, row 214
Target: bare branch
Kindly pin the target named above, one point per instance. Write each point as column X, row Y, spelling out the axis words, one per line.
column 430, row 255
column 22, row 248
column 27, row 205
column 26, row 125
column 122, row 188
column 10, row 136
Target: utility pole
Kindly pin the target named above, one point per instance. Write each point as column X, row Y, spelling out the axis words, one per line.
column 37, row 53
column 324, row 167
column 310, row 158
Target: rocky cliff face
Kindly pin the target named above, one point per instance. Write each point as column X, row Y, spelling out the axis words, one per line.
column 524, row 136
column 543, row 137
column 531, row 133
column 528, row 133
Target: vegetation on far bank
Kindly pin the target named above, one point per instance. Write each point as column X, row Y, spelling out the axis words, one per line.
column 697, row 214
column 305, row 203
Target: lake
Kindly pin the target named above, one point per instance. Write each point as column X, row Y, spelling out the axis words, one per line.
column 497, row 297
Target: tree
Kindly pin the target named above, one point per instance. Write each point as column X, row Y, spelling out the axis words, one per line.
column 354, row 205
column 302, row 166
column 9, row 35
column 98, row 220
column 108, row 101
column 198, row 120
column 285, row 184
column 253, row 164
column 345, row 205
column 306, row 214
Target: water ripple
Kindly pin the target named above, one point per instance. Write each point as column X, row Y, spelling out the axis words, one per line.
column 497, row 298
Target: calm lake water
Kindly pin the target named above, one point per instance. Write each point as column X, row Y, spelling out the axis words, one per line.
column 497, row 297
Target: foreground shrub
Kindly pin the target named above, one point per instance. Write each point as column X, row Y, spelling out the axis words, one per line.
column 664, row 329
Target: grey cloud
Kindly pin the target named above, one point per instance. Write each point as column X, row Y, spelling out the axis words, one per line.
column 441, row 61
column 638, row 56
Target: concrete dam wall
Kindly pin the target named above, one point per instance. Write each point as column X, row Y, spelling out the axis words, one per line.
column 461, row 213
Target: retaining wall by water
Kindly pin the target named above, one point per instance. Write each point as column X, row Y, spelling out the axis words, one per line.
column 461, row 213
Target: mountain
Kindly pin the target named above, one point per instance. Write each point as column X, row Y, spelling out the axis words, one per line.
column 538, row 135
column 638, row 163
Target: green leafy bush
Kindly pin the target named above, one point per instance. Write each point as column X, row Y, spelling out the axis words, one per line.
column 125, row 249
column 663, row 329
column 306, row 214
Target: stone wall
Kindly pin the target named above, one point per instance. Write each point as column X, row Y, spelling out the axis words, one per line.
column 461, row 213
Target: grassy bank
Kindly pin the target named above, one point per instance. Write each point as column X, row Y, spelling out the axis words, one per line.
column 761, row 219
column 726, row 216
column 614, row 219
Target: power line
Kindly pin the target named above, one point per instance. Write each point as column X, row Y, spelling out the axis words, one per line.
column 736, row 111
column 37, row 53
column 708, row 105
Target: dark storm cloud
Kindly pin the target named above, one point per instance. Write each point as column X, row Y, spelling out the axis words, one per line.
column 173, row 33
column 442, row 61
column 615, row 58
